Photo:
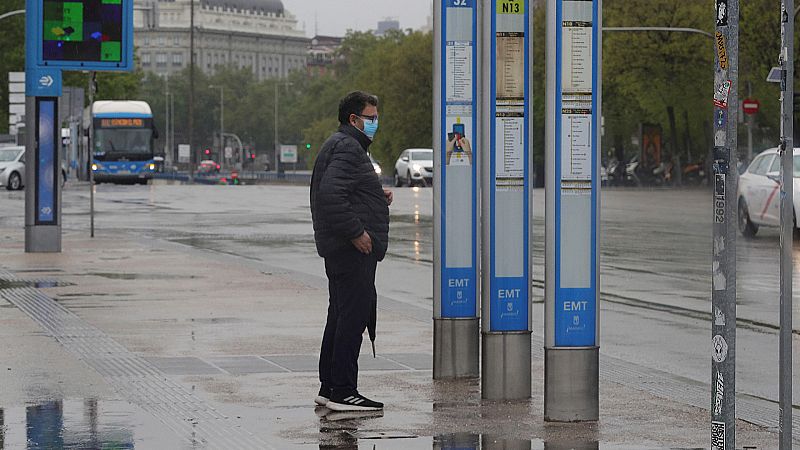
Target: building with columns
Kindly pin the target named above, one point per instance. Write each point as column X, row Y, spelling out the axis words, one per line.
column 258, row 35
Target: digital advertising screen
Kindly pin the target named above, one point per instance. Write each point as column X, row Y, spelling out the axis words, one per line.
column 83, row 30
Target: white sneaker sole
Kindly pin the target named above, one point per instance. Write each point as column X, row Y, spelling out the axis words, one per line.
column 346, row 407
column 321, row 401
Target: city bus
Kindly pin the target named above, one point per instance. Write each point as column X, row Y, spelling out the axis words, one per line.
column 122, row 142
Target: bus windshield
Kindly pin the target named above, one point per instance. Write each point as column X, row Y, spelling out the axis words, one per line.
column 123, row 140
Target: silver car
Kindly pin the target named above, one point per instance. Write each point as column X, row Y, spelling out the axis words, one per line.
column 12, row 167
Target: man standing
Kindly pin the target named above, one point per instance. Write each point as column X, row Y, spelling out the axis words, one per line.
column 350, row 210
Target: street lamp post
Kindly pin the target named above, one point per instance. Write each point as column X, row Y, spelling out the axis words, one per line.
column 221, row 121
column 277, row 138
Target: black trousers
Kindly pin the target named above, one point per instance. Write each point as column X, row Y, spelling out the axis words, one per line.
column 351, row 284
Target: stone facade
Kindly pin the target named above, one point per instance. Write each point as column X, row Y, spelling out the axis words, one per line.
column 258, row 35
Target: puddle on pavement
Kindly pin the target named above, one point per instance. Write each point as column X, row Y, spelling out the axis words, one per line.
column 81, row 424
column 358, row 431
column 141, row 276
column 38, row 284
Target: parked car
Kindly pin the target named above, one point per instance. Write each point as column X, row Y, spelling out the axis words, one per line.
column 414, row 166
column 759, row 192
column 12, row 167
column 208, row 166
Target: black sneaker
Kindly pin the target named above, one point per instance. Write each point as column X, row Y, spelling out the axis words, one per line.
column 352, row 402
column 323, row 397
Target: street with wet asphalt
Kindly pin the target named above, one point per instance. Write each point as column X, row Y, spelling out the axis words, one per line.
column 193, row 318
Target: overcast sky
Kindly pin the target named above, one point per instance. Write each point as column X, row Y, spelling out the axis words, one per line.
column 335, row 17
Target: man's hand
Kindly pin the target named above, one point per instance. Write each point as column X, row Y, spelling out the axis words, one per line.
column 363, row 243
column 389, row 196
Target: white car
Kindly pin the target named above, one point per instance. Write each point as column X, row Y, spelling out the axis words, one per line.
column 414, row 166
column 12, row 167
column 759, row 192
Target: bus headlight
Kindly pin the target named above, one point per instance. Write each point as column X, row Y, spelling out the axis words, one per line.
column 152, row 167
column 94, row 166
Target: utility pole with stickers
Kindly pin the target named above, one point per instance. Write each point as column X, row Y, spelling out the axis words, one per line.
column 786, row 60
column 723, row 266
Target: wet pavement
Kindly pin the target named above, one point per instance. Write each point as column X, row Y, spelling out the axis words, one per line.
column 216, row 292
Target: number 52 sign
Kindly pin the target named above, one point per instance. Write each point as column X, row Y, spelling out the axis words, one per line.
column 461, row 3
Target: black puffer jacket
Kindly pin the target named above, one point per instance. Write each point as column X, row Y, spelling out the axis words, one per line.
column 346, row 195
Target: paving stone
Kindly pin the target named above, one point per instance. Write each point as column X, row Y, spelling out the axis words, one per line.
column 242, row 365
column 182, row 365
column 417, row 361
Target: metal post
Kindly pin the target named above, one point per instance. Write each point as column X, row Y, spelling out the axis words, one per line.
column 455, row 184
column 787, row 225
column 168, row 157
column 92, row 89
column 750, row 122
column 192, row 151
column 277, row 140
column 506, row 219
column 723, row 268
column 572, row 233
column 222, row 125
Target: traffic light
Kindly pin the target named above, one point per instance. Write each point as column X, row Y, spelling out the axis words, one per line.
column 253, row 156
column 207, row 151
column 308, row 146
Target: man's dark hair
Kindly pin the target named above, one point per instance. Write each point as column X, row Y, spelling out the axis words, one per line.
column 354, row 103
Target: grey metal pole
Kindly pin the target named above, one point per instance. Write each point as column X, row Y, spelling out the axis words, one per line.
column 456, row 325
column 92, row 88
column 277, row 141
column 222, row 125
column 725, row 209
column 787, row 225
column 750, row 121
column 192, row 150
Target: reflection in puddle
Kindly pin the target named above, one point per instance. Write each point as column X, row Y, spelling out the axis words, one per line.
column 361, row 431
column 80, row 424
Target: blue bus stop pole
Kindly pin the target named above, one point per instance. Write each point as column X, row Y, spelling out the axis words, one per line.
column 455, row 184
column 42, row 146
column 574, row 44
column 507, row 207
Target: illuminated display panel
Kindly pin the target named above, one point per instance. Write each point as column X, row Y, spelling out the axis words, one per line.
column 121, row 123
column 82, row 30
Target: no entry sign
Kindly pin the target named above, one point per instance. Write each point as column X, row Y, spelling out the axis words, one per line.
column 750, row 106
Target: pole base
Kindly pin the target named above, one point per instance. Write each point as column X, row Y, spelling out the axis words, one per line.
column 42, row 238
column 455, row 348
column 506, row 366
column 571, row 384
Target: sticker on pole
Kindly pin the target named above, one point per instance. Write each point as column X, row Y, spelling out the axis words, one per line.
column 718, row 436
column 722, row 93
column 719, row 349
column 722, row 52
column 719, row 394
column 722, row 13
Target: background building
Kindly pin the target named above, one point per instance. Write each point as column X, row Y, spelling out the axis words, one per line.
column 258, row 35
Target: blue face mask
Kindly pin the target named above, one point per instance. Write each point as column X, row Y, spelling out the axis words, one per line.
column 370, row 128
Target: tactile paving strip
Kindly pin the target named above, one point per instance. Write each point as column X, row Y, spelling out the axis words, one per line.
column 131, row 376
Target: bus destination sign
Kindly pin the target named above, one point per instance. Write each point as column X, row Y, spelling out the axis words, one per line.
column 121, row 123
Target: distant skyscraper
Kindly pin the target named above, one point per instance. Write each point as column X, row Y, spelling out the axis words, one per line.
column 386, row 25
